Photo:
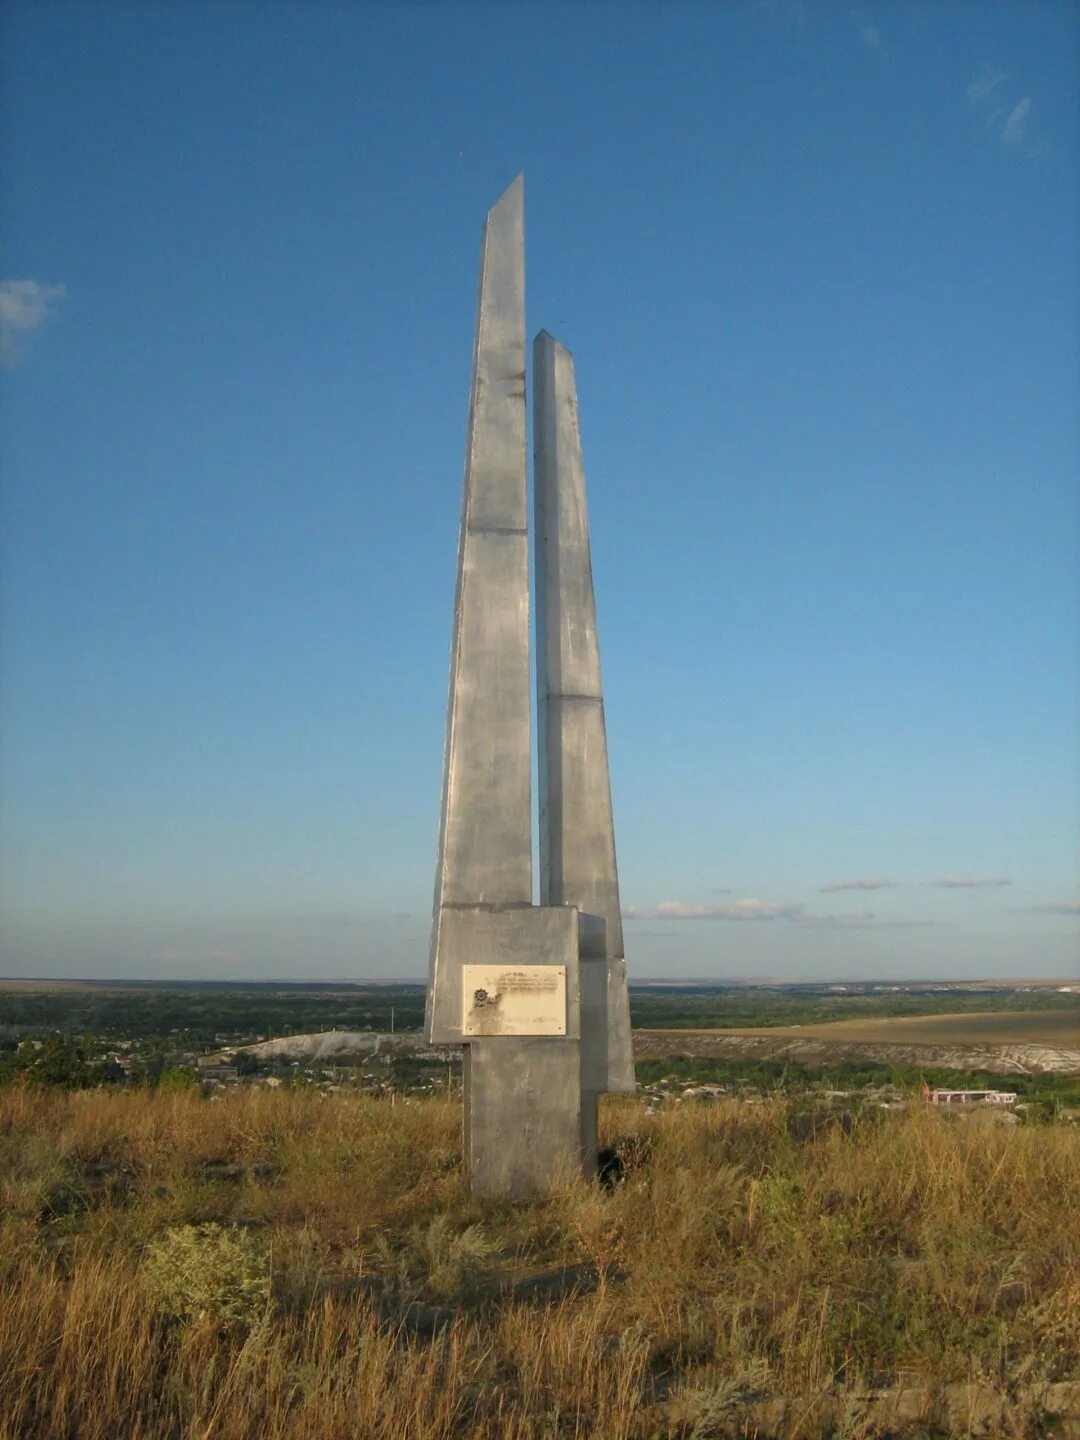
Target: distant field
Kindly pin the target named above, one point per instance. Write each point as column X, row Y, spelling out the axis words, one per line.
column 40, row 987
column 1016, row 1027
column 1020, row 1042
column 759, row 1021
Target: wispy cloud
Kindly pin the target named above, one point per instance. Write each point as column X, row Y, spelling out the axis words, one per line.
column 1008, row 117
column 784, row 14
column 170, row 956
column 867, row 920
column 869, row 33
column 853, row 918
column 731, row 910
column 789, row 912
column 1015, row 129
column 875, row 883
column 970, row 882
column 912, row 924
column 986, row 80
column 1058, row 907
column 316, row 920
column 25, row 305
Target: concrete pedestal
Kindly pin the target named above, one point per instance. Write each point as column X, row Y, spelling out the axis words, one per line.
column 524, row 1116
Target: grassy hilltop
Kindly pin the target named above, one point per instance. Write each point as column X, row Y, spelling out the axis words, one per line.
column 286, row 1264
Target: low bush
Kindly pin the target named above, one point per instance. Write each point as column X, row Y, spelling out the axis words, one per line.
column 197, row 1272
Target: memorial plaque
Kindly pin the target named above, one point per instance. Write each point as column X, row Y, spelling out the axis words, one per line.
column 513, row 1000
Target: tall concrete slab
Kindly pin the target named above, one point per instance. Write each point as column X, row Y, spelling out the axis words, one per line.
column 504, row 974
column 577, row 835
column 485, row 830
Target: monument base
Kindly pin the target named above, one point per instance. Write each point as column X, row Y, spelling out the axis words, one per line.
column 526, row 1126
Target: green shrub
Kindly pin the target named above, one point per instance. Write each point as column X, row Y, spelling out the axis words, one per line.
column 197, row 1271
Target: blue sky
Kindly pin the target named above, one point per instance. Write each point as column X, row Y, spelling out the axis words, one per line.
column 819, row 268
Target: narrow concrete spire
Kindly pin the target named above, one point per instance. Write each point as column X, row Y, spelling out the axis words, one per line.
column 577, row 835
column 485, row 830
column 536, row 994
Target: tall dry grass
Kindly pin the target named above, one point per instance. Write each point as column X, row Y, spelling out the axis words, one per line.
column 735, row 1260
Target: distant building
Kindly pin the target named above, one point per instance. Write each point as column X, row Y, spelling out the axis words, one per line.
column 968, row 1097
column 215, row 1067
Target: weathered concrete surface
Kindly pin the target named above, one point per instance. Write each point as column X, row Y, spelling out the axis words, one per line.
column 518, row 935
column 577, row 833
column 523, row 1112
column 530, row 1102
column 485, row 830
column 523, row 1116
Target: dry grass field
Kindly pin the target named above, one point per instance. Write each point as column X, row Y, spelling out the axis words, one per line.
column 1019, row 1027
column 339, row 1281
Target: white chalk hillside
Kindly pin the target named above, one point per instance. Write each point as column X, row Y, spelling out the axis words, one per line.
column 332, row 1045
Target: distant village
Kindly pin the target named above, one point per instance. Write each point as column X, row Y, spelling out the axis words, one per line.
column 405, row 1063
column 380, row 1059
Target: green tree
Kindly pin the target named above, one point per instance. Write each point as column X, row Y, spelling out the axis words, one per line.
column 178, row 1079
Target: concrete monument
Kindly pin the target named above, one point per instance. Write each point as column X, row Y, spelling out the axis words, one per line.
column 536, row 993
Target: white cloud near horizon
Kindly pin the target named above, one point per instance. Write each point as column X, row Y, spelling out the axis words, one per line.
column 25, row 305
column 1058, row 907
column 970, row 882
column 729, row 910
column 874, row 883
column 867, row 920
column 751, row 910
